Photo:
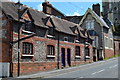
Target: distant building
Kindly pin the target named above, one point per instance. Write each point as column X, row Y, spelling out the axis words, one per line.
column 100, row 30
column 117, row 44
column 111, row 10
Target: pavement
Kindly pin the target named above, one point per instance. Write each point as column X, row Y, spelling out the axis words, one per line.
column 101, row 69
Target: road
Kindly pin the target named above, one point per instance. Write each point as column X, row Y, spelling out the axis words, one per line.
column 107, row 70
column 102, row 69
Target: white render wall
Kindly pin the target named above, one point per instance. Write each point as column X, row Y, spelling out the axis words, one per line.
column 4, row 69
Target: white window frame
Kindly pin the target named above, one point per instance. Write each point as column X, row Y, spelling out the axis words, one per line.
column 106, row 42
column 89, row 24
column 111, row 43
column 66, row 40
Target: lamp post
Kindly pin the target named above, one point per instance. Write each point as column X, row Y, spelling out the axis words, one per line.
column 19, row 5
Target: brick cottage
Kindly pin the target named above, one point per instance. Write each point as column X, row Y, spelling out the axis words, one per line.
column 57, row 42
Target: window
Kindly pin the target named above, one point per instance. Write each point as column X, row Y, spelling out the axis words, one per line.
column 106, row 42
column 27, row 26
column 87, row 51
column 50, row 49
column 77, row 51
column 90, row 24
column 77, row 38
column 65, row 38
column 27, row 48
column 95, row 42
column 111, row 43
column 51, row 33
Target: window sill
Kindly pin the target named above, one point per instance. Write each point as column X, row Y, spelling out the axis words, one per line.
column 29, row 32
column 106, row 47
column 87, row 57
column 50, row 36
column 78, row 57
column 50, row 56
column 24, row 55
column 77, row 41
column 65, row 41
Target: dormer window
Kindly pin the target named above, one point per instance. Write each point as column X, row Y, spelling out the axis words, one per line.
column 27, row 27
column 66, row 39
column 50, row 32
column 77, row 38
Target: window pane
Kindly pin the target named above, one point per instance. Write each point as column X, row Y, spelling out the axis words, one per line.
column 50, row 50
column 77, row 50
column 27, row 48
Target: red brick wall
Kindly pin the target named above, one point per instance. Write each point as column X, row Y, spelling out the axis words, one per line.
column 109, row 53
column 5, row 41
column 33, row 67
column 117, row 49
column 49, row 9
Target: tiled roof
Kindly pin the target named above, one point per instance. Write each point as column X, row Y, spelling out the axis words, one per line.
column 63, row 25
column 75, row 19
column 10, row 10
column 40, row 19
column 98, row 18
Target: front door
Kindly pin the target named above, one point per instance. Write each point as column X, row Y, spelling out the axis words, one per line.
column 63, row 56
column 94, row 54
column 68, row 57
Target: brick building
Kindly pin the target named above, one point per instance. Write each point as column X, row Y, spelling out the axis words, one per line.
column 101, row 29
column 56, row 43
column 117, row 45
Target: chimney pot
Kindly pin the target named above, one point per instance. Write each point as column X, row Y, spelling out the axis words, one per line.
column 96, row 8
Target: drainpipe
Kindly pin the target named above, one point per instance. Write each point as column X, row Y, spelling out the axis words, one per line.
column 103, row 52
column 114, row 48
column 58, row 51
column 85, row 50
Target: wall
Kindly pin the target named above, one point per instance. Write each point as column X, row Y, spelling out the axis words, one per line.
column 109, row 49
column 97, row 28
column 109, row 53
column 40, row 62
column 117, row 47
column 5, row 39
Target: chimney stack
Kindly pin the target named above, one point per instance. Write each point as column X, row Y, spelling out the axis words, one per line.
column 96, row 8
column 47, row 7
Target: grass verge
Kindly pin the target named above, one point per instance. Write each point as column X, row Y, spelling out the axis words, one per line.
column 117, row 55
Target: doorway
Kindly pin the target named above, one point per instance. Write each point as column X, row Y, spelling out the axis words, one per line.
column 94, row 54
column 68, row 57
column 63, row 56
